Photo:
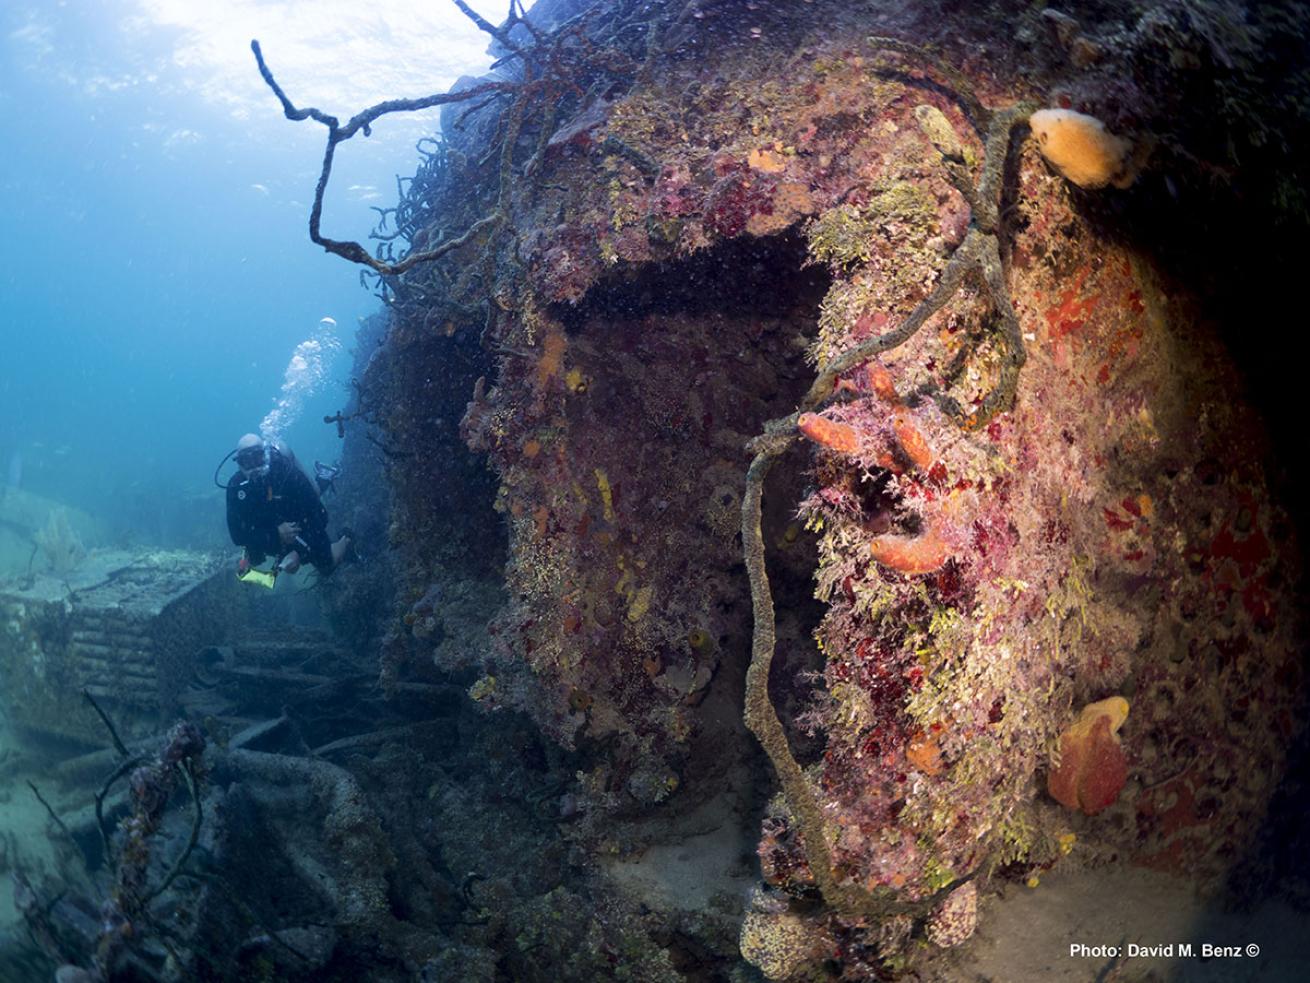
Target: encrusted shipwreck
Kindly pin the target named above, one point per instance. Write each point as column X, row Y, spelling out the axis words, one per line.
column 817, row 397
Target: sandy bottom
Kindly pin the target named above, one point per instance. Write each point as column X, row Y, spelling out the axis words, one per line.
column 701, row 870
column 1027, row 936
column 702, row 863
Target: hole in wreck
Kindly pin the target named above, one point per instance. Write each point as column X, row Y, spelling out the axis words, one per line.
column 765, row 276
column 730, row 325
column 448, row 485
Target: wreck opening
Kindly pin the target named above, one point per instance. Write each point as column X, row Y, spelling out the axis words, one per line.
column 686, row 361
column 451, row 499
column 746, row 277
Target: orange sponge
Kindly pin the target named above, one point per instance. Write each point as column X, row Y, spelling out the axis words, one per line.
column 831, row 434
column 910, row 554
column 1082, row 149
column 1092, row 768
column 911, row 441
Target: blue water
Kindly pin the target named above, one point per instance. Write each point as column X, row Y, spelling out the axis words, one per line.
column 156, row 274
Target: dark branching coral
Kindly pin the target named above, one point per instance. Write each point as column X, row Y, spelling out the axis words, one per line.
column 978, row 254
column 555, row 64
column 363, row 121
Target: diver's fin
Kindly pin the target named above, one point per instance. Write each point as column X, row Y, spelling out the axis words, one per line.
column 264, row 578
column 352, row 554
column 325, row 476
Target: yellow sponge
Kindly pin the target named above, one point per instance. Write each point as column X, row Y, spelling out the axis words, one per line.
column 1082, row 149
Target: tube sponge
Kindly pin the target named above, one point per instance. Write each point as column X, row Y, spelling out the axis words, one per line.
column 831, row 434
column 1082, row 149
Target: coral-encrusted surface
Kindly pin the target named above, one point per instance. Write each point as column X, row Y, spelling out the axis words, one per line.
column 683, row 255
column 617, row 430
column 1113, row 533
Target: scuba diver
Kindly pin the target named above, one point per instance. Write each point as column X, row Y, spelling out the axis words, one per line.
column 273, row 509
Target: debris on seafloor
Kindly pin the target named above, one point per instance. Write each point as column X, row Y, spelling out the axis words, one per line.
column 123, row 624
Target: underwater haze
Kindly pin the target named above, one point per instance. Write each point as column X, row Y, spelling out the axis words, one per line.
column 157, row 273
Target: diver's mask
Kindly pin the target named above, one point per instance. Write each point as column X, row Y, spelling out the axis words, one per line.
column 253, row 461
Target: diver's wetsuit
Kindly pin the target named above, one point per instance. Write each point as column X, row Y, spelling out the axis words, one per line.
column 257, row 506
